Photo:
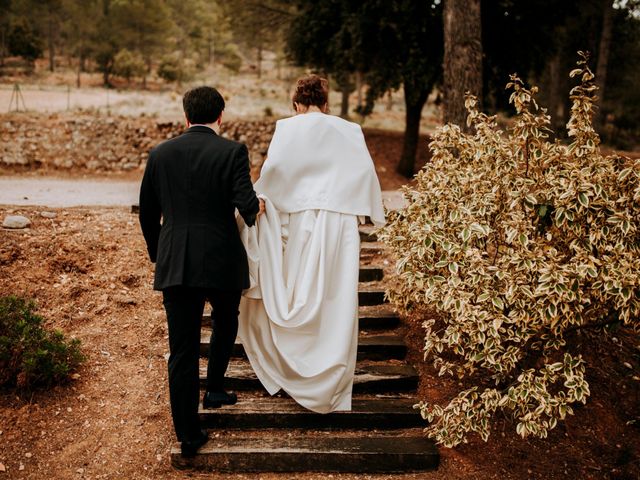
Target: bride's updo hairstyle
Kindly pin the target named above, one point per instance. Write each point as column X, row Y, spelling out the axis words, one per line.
column 311, row 90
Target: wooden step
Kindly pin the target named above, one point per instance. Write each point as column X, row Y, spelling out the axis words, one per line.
column 367, row 233
column 283, row 412
column 370, row 347
column 369, row 317
column 371, row 248
column 308, row 452
column 377, row 317
column 371, row 295
column 370, row 377
column 370, row 273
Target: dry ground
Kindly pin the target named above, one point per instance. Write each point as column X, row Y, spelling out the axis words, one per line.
column 88, row 270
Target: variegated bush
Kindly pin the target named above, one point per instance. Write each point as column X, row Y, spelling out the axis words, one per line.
column 517, row 243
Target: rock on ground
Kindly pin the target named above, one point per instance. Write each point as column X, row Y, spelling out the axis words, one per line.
column 16, row 221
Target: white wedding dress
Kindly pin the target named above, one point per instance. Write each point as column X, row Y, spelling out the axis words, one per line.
column 299, row 320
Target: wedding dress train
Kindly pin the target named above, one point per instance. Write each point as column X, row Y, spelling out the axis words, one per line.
column 299, row 322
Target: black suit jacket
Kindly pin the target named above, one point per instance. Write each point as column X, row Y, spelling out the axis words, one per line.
column 195, row 182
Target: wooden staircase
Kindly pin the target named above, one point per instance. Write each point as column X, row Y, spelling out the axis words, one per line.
column 382, row 433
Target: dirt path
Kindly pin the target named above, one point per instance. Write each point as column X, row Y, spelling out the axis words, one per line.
column 58, row 192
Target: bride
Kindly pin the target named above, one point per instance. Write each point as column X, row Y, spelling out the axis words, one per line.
column 299, row 321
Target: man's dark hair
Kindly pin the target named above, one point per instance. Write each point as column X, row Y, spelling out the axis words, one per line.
column 202, row 105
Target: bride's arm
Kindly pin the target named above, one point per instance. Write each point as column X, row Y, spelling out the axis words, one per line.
column 244, row 197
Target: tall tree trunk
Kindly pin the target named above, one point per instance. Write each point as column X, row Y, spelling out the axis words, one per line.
column 359, row 87
column 414, row 102
column 2, row 46
column 344, row 85
column 260, row 60
column 146, row 72
column 344, row 104
column 210, row 49
column 603, row 53
column 555, row 99
column 50, row 42
column 462, row 57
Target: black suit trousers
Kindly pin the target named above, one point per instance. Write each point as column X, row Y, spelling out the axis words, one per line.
column 184, row 307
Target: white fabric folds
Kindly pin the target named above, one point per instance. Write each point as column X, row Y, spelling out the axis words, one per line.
column 298, row 322
column 321, row 162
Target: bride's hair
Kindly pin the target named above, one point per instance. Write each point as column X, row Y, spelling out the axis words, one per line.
column 311, row 90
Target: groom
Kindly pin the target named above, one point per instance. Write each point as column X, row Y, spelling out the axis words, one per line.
column 194, row 183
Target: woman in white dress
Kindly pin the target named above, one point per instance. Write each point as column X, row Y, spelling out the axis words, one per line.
column 299, row 321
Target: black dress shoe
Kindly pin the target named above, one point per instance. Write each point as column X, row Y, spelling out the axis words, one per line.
column 189, row 448
column 217, row 399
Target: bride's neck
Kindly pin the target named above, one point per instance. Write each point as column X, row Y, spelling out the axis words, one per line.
column 311, row 108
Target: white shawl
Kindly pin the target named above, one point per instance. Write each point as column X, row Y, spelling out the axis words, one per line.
column 321, row 162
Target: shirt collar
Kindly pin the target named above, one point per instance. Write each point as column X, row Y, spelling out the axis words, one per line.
column 201, row 125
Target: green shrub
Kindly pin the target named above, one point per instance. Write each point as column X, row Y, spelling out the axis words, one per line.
column 229, row 56
column 169, row 69
column 23, row 40
column 172, row 69
column 517, row 243
column 128, row 65
column 30, row 355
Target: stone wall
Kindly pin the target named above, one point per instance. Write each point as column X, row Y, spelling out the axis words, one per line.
column 94, row 143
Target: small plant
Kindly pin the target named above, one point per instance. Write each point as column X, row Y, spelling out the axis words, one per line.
column 173, row 69
column 128, row 65
column 30, row 355
column 517, row 243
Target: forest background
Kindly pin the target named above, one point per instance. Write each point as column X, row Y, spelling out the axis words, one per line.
column 374, row 52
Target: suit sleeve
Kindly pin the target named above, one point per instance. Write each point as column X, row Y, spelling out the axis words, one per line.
column 244, row 197
column 150, row 211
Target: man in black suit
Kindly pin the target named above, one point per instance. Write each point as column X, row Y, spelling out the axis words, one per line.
column 194, row 183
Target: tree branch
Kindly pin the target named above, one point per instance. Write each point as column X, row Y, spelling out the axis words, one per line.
column 269, row 8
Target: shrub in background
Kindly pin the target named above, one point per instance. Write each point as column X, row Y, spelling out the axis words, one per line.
column 516, row 243
column 23, row 40
column 30, row 355
column 173, row 69
column 128, row 65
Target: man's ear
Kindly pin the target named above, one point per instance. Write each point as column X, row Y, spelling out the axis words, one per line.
column 219, row 121
column 187, row 121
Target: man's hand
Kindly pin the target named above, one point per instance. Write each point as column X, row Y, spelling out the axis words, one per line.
column 261, row 211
